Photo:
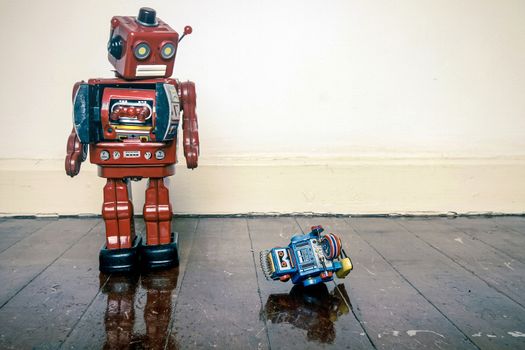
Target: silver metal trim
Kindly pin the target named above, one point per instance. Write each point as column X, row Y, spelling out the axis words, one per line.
column 174, row 103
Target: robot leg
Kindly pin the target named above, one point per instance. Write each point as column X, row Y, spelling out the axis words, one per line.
column 160, row 250
column 120, row 251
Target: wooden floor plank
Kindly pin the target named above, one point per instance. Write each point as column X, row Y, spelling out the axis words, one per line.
column 390, row 308
column 297, row 318
column 501, row 272
column 29, row 257
column 487, row 317
column 132, row 311
column 42, row 314
column 218, row 304
column 14, row 230
column 417, row 283
column 515, row 223
column 493, row 232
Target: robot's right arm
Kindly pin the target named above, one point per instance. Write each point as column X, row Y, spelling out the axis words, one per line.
column 76, row 152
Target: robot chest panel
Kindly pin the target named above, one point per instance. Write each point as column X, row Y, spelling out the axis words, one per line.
column 141, row 114
column 309, row 254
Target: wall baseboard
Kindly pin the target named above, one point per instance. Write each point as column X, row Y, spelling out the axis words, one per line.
column 287, row 186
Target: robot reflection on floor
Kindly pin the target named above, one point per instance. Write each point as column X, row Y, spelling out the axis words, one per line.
column 313, row 308
column 130, row 124
column 153, row 295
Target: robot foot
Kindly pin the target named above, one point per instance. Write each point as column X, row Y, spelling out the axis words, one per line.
column 119, row 260
column 155, row 257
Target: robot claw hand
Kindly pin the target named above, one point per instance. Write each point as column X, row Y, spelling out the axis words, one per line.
column 309, row 259
column 190, row 125
column 76, row 153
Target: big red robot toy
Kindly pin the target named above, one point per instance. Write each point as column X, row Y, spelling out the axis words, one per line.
column 130, row 123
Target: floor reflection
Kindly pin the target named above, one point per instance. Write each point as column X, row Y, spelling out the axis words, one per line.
column 125, row 328
column 313, row 309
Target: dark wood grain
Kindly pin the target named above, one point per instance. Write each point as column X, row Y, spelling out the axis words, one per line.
column 14, row 230
column 480, row 312
column 501, row 272
column 515, row 223
column 500, row 233
column 42, row 314
column 417, row 283
column 25, row 260
column 218, row 304
column 390, row 308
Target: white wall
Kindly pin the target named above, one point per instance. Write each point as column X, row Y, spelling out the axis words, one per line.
column 318, row 81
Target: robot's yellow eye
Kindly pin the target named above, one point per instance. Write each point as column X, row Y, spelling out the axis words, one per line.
column 167, row 51
column 142, row 51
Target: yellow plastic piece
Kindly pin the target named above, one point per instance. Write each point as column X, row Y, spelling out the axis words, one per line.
column 131, row 127
column 345, row 269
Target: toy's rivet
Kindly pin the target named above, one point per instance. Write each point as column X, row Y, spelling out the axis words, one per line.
column 104, row 155
column 159, row 154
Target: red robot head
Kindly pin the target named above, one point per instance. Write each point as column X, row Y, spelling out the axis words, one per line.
column 144, row 46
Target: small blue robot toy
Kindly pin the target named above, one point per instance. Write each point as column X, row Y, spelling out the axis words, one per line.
column 309, row 259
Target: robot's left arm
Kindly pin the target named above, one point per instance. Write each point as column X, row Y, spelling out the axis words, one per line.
column 190, row 125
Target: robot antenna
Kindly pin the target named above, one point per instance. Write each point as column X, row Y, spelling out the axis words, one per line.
column 187, row 31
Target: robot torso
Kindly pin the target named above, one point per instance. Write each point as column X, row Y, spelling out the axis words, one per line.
column 129, row 125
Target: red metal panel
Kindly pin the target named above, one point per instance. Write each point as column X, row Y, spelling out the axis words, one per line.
column 157, row 213
column 109, row 213
column 132, row 147
column 117, row 212
column 136, row 172
column 133, row 34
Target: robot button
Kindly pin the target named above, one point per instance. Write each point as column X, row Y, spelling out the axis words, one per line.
column 104, row 155
column 160, row 154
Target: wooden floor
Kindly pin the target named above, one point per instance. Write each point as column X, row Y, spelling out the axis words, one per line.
column 420, row 283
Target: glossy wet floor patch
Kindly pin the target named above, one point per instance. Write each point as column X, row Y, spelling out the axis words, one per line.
column 417, row 283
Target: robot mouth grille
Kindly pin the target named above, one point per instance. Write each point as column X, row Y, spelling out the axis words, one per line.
column 150, row 70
